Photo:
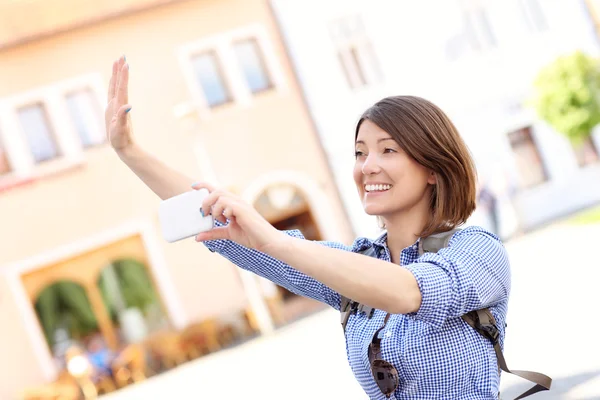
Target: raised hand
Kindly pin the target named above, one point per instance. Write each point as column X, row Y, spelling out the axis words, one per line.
column 246, row 226
column 118, row 123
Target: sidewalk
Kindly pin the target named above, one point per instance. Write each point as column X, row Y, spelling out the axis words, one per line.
column 305, row 360
column 553, row 323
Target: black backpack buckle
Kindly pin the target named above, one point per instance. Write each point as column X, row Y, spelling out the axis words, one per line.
column 490, row 331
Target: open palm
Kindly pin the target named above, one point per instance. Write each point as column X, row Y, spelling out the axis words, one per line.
column 118, row 124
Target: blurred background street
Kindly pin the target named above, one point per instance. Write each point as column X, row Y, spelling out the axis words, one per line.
column 261, row 97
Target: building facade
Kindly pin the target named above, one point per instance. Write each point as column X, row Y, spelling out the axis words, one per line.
column 477, row 60
column 214, row 95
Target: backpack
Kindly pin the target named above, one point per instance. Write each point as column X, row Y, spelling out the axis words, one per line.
column 481, row 320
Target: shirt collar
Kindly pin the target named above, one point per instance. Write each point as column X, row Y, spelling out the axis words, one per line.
column 381, row 243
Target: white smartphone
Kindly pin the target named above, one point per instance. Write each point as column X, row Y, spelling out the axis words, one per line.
column 181, row 216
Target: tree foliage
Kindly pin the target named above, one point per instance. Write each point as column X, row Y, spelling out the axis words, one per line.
column 567, row 95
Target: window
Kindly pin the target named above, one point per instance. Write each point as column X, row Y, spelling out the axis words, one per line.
column 355, row 52
column 86, row 117
column 46, row 130
column 4, row 164
column 253, row 65
column 586, row 152
column 210, row 77
column 477, row 25
column 231, row 67
column 534, row 15
column 38, row 132
column 529, row 163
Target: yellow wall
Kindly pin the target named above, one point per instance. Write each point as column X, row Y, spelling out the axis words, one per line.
column 274, row 132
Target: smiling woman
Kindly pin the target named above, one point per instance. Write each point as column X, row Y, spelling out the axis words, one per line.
column 420, row 155
column 414, row 172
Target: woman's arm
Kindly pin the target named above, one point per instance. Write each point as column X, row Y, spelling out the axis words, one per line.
column 166, row 183
column 278, row 271
column 161, row 179
column 376, row 283
column 472, row 273
column 379, row 284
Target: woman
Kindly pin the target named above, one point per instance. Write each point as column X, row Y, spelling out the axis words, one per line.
column 415, row 173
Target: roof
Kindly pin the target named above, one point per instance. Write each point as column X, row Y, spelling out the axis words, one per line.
column 26, row 20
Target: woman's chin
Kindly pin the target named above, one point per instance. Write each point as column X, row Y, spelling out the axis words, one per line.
column 371, row 209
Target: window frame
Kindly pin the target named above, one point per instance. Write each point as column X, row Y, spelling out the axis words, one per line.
column 222, row 45
column 261, row 60
column 155, row 260
column 69, row 145
column 535, row 17
column 478, row 27
column 221, row 73
column 544, row 169
column 98, row 104
column 356, row 54
column 51, row 126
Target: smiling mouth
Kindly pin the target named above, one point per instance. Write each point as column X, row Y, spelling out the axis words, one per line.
column 377, row 188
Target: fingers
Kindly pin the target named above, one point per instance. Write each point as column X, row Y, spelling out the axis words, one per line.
column 228, row 213
column 213, row 234
column 113, row 81
column 210, row 202
column 216, row 203
column 122, row 82
column 218, row 210
column 203, row 185
column 123, row 113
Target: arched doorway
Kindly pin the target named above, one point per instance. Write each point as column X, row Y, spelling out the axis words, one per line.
column 286, row 207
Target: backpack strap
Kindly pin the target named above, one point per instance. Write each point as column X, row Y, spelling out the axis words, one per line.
column 484, row 323
column 431, row 243
column 435, row 242
column 348, row 306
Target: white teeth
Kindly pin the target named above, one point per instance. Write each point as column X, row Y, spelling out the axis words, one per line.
column 377, row 188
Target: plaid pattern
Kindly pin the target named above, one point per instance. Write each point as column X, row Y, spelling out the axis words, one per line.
column 437, row 355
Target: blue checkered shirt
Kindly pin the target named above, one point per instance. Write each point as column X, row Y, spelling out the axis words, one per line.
column 436, row 353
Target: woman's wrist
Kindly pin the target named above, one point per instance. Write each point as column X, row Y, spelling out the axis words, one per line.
column 129, row 152
column 280, row 245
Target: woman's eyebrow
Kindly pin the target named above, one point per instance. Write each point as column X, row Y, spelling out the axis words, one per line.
column 378, row 141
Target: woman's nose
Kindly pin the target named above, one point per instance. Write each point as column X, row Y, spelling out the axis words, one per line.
column 371, row 165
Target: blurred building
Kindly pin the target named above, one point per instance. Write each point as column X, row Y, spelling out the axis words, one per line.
column 476, row 59
column 213, row 95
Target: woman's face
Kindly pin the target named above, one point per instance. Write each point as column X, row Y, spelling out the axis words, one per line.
column 389, row 181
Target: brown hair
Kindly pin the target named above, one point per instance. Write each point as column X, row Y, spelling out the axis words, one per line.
column 427, row 135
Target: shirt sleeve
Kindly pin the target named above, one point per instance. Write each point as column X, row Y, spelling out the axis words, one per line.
column 277, row 271
column 472, row 273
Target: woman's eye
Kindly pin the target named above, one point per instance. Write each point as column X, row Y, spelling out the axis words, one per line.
column 389, row 151
column 358, row 153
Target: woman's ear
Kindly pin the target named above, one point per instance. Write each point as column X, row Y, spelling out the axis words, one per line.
column 432, row 178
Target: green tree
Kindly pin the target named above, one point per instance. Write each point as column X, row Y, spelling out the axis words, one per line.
column 567, row 95
column 66, row 304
